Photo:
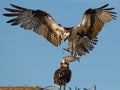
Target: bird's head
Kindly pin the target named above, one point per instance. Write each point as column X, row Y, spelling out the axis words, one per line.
column 67, row 32
column 64, row 64
column 66, row 35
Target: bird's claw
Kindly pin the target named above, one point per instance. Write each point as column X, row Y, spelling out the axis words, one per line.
column 66, row 49
column 78, row 58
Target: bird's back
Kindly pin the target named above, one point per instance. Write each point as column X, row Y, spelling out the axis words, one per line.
column 62, row 76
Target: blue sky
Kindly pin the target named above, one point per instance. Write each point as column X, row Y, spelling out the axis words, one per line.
column 28, row 59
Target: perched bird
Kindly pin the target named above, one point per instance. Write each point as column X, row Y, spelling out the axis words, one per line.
column 81, row 38
column 62, row 75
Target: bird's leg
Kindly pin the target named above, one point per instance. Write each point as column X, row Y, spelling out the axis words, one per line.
column 68, row 48
column 60, row 87
column 64, row 88
column 73, row 52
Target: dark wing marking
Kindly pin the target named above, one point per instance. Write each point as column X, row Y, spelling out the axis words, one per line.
column 85, row 44
column 41, row 23
column 94, row 20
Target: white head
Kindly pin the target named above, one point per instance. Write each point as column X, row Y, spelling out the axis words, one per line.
column 64, row 64
column 66, row 35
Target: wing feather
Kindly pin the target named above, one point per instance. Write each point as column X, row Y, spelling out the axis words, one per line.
column 84, row 45
column 41, row 23
column 94, row 20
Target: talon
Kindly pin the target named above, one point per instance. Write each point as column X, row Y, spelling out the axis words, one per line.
column 66, row 49
column 78, row 58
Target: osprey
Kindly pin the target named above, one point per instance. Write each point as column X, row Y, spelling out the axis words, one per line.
column 62, row 75
column 81, row 38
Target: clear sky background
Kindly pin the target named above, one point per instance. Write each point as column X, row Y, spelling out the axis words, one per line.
column 28, row 59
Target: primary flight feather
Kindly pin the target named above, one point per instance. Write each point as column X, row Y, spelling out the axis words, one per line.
column 81, row 38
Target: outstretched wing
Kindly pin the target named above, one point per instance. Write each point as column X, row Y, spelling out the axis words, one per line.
column 41, row 23
column 93, row 21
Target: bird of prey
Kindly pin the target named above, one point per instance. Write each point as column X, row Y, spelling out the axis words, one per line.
column 62, row 75
column 81, row 38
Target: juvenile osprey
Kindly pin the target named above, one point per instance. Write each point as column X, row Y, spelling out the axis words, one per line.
column 62, row 75
column 81, row 38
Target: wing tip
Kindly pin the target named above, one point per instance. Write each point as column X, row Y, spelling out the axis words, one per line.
column 13, row 5
column 4, row 14
column 17, row 7
column 5, row 8
column 104, row 6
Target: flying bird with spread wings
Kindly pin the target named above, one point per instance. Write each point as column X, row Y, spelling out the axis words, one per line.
column 81, row 38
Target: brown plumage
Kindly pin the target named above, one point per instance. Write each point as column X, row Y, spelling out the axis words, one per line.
column 62, row 75
column 81, row 38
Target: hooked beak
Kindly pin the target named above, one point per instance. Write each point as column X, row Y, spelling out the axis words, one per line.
column 65, row 39
column 68, row 35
